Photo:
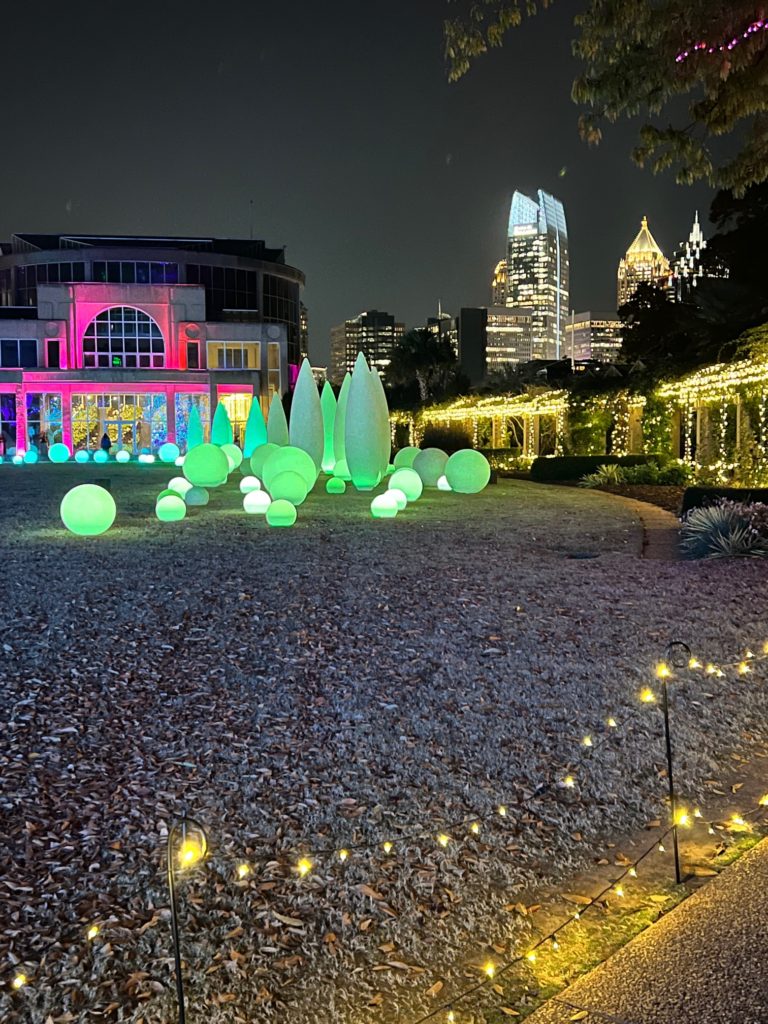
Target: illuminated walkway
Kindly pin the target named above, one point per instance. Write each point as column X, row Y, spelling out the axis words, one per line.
column 705, row 961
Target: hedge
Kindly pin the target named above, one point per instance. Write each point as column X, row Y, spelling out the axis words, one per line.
column 697, row 497
column 574, row 467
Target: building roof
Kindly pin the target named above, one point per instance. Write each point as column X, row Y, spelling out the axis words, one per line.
column 255, row 249
column 644, row 243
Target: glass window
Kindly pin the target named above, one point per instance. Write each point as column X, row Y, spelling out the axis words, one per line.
column 14, row 353
column 130, row 421
column 42, row 273
column 234, row 355
column 113, row 334
column 193, row 355
column 7, row 422
column 99, row 271
column 113, row 272
column 128, row 273
column 53, row 353
column 142, row 273
column 184, row 405
column 157, row 273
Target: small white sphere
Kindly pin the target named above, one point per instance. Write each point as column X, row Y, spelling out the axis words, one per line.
column 250, row 483
column 256, row 502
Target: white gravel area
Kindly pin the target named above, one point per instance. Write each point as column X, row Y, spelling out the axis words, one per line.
column 333, row 684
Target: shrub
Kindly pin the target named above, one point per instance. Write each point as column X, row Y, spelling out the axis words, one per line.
column 449, row 438
column 609, row 475
column 699, row 497
column 676, row 474
column 721, row 531
column 574, row 467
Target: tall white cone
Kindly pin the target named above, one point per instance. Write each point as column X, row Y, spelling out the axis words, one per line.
column 340, row 420
column 277, row 425
column 363, row 429
column 306, row 428
column 381, row 415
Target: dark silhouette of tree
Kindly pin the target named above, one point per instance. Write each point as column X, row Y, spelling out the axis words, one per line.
column 645, row 57
column 424, row 357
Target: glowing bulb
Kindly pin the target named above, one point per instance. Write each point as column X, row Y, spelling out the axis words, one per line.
column 611, row 723
column 190, row 852
column 663, row 670
column 451, row 1017
column 304, row 866
column 749, row 654
column 711, row 830
column 763, row 801
column 661, row 847
column 647, row 696
column 243, row 870
column 632, row 872
column 719, row 673
column 502, row 810
column 343, row 855
column 93, row 931
column 711, row 669
column 576, row 916
column 555, row 944
column 738, row 821
column 694, row 663
column 618, row 890
column 682, row 818
column 765, row 647
column 490, row 969
column 387, row 847
column 569, row 781
column 443, row 839
column 587, row 741
column 531, row 957
column 475, row 827
column 19, row 981
column 743, row 668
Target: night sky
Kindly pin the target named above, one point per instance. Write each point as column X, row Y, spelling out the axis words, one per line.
column 389, row 187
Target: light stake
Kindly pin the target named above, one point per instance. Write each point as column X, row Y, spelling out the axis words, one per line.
column 192, row 849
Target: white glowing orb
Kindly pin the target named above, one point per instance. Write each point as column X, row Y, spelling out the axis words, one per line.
column 123, row 456
column 384, row 506
column 180, row 484
column 82, row 455
column 256, row 502
column 399, row 497
column 250, row 483
column 443, row 485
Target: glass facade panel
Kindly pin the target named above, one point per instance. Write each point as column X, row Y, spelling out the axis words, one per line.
column 110, row 340
column 7, row 422
column 15, row 353
column 234, row 355
column 238, row 405
column 130, row 421
column 184, row 405
column 43, row 421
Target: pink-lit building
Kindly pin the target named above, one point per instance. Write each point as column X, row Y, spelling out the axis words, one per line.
column 124, row 336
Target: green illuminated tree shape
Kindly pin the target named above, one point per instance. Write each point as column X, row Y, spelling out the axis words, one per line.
column 195, row 433
column 328, row 409
column 306, row 428
column 362, row 431
column 277, row 424
column 383, row 433
column 255, row 429
column 221, row 428
column 340, row 421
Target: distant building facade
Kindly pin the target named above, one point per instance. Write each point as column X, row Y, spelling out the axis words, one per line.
column 508, row 336
column 594, row 336
column 123, row 336
column 499, row 284
column 689, row 265
column 374, row 332
column 303, row 331
column 643, row 262
column 538, row 269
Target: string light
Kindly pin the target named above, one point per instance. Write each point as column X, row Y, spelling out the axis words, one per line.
column 744, row 668
column 618, row 890
column 587, row 741
column 694, row 663
column 490, row 968
column 760, row 25
column 243, row 870
column 661, row 847
column 474, row 827
column 387, row 847
column 92, row 932
column 343, row 855
column 304, row 866
column 764, row 800
column 696, row 813
column 647, row 696
column 443, row 839
column 663, row 670
column 190, row 852
column 738, row 822
column 450, row 1017
column 502, row 810
column 531, row 956
column 682, row 818
column 633, row 872
column 569, row 781
column 611, row 723
column 19, row 981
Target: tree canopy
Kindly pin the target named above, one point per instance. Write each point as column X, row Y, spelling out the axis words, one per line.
column 424, row 357
column 695, row 70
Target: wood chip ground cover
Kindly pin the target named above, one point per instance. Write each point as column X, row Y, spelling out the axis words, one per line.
column 339, row 683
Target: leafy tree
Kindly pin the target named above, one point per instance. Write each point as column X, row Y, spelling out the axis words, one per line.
column 422, row 356
column 646, row 57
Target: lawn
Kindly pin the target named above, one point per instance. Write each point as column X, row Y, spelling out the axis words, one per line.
column 341, row 683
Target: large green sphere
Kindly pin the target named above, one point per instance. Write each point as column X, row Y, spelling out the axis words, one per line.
column 467, row 471
column 384, row 506
column 288, row 459
column 335, row 485
column 206, row 465
column 58, row 452
column 404, row 458
column 82, row 455
column 280, row 512
column 430, row 465
column 168, row 491
column 234, row 455
column 260, row 456
column 168, row 452
column 290, row 486
column 196, row 496
column 170, row 507
column 88, row 510
column 408, row 481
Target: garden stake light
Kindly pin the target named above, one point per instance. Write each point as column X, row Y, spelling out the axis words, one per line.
column 663, row 672
column 192, row 847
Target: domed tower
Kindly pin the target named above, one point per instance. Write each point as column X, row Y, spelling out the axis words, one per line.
column 643, row 261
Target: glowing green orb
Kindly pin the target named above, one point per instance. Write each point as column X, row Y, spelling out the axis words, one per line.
column 399, row 497
column 260, row 456
column 170, row 508
column 281, row 513
column 58, row 452
column 123, row 456
column 408, row 481
column 256, row 502
column 250, row 483
column 206, row 465
column 196, row 496
column 234, row 455
column 169, row 452
column 88, row 510
column 168, row 491
column 101, row 456
column 404, row 458
column 384, row 506
column 430, row 465
column 443, row 485
column 17, row 460
column 290, row 486
column 467, row 471
column 180, row 485
column 31, row 457
column 289, row 459
column 335, row 485
column 341, row 470
column 82, row 455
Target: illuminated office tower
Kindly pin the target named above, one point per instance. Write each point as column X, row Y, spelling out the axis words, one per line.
column 538, row 269
column 643, row 262
column 373, row 332
column 499, row 284
column 690, row 265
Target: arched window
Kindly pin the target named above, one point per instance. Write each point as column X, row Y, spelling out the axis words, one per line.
column 123, row 337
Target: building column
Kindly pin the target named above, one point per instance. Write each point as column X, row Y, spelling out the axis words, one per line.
column 22, row 438
column 170, row 414
column 66, row 418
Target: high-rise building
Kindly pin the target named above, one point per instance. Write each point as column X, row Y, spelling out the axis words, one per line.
column 689, row 265
column 373, row 332
column 303, row 331
column 508, row 336
column 499, row 284
column 538, row 268
column 593, row 336
column 643, row 262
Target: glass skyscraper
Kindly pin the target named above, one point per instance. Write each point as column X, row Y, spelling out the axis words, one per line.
column 538, row 268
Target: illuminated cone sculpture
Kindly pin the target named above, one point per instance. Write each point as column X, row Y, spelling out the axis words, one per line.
column 328, row 409
column 255, row 429
column 277, row 424
column 306, row 429
column 362, row 434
